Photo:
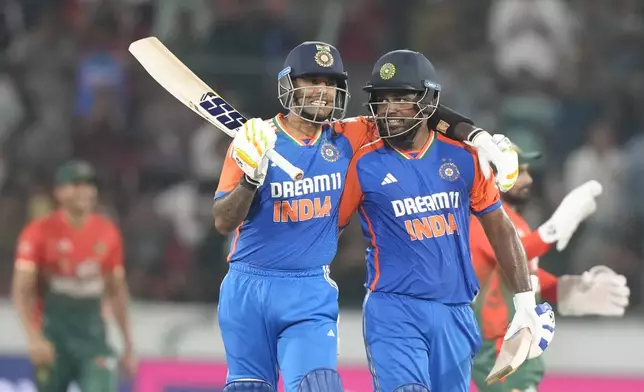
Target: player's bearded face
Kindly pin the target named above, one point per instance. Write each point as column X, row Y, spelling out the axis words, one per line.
column 315, row 97
column 396, row 113
column 520, row 192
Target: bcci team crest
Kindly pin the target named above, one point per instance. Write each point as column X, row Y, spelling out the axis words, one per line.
column 323, row 56
column 387, row 71
column 329, row 152
column 449, row 171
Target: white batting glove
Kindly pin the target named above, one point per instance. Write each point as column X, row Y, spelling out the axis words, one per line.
column 599, row 291
column 578, row 205
column 249, row 149
column 539, row 319
column 499, row 151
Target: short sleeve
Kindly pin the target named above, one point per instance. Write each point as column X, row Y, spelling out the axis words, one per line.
column 29, row 249
column 230, row 175
column 484, row 195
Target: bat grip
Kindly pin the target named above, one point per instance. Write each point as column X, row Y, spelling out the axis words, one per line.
column 293, row 172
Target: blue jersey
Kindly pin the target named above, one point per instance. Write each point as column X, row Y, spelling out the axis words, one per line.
column 293, row 225
column 415, row 209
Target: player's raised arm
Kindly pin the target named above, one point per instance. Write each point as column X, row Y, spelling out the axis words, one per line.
column 24, row 293
column 243, row 173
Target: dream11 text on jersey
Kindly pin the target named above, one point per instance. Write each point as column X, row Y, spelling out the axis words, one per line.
column 431, row 226
column 307, row 208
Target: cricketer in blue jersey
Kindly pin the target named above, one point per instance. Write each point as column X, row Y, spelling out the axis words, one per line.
column 278, row 306
column 414, row 190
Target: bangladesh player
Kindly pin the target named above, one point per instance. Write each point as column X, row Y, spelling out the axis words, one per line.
column 599, row 291
column 66, row 264
column 414, row 190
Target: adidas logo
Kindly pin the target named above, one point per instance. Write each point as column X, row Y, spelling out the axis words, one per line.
column 330, row 333
column 389, row 179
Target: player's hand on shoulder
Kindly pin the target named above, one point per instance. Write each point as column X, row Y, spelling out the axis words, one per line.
column 498, row 151
column 250, row 146
column 599, row 291
column 578, row 205
column 539, row 319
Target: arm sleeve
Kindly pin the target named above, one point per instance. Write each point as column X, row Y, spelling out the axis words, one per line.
column 548, row 283
column 29, row 250
column 230, row 175
column 484, row 195
column 351, row 196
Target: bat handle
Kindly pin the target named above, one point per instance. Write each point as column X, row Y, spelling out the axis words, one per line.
column 281, row 162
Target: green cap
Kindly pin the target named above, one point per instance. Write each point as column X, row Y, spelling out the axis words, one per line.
column 75, row 172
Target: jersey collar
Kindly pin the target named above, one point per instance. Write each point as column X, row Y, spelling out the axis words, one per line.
column 419, row 153
column 279, row 124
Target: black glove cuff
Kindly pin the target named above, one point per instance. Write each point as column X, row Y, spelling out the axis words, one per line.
column 249, row 184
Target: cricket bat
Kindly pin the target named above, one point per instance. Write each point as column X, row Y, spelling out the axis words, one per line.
column 185, row 86
column 513, row 353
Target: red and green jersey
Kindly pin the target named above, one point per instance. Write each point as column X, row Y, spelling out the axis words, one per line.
column 72, row 264
column 493, row 306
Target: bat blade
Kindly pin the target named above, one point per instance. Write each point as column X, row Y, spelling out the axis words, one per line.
column 513, row 353
column 189, row 89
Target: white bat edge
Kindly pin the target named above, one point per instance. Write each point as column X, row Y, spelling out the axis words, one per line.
column 137, row 50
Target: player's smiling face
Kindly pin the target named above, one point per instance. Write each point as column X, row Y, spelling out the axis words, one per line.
column 396, row 112
column 316, row 96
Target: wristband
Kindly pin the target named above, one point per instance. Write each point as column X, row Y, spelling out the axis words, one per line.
column 247, row 183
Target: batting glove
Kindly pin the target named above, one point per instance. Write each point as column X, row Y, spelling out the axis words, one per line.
column 539, row 319
column 249, row 149
column 497, row 150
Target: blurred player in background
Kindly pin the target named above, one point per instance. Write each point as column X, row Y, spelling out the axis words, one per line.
column 66, row 263
column 278, row 307
column 414, row 190
column 599, row 291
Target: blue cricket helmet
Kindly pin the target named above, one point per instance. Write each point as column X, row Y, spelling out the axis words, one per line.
column 310, row 59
